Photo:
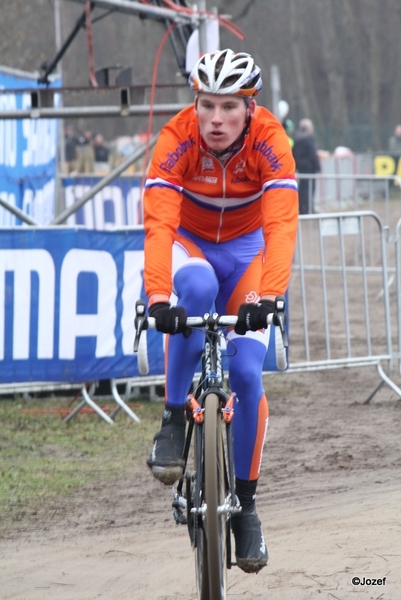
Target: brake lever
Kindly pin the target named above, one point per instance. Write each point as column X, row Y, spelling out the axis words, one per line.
column 140, row 321
column 280, row 318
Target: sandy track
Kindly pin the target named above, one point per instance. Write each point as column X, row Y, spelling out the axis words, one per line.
column 329, row 499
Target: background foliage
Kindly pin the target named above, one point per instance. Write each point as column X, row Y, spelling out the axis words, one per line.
column 340, row 60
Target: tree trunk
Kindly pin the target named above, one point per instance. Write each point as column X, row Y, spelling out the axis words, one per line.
column 395, row 47
column 307, row 103
column 370, row 16
column 331, row 53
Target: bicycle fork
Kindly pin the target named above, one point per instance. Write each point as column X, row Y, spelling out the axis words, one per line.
column 189, row 508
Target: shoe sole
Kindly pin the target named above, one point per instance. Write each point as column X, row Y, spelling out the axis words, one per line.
column 249, row 565
column 167, row 475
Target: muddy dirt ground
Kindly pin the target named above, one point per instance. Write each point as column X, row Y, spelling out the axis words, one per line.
column 329, row 499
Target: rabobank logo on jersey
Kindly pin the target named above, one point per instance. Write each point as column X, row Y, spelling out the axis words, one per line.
column 174, row 157
column 268, row 153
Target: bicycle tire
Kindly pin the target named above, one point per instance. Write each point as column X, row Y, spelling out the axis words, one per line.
column 196, row 522
column 214, row 526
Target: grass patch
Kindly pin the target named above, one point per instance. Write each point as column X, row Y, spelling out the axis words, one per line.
column 43, row 457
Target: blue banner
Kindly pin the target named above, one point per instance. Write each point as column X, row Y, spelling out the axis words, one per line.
column 28, row 155
column 67, row 302
column 118, row 204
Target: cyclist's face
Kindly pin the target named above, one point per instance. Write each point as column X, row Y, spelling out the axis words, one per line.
column 222, row 118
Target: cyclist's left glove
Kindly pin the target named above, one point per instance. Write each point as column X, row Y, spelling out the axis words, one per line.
column 253, row 316
column 169, row 319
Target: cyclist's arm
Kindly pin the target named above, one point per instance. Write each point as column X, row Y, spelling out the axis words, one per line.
column 280, row 219
column 279, row 215
column 162, row 208
column 161, row 220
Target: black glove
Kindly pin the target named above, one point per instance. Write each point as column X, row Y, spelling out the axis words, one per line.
column 169, row 319
column 253, row 316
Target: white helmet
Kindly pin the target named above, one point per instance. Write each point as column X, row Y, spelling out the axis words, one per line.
column 224, row 72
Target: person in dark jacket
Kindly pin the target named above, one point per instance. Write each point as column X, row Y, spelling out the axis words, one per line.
column 306, row 158
column 100, row 148
column 70, row 149
column 394, row 143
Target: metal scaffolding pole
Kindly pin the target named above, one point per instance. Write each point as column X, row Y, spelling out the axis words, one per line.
column 60, row 134
column 71, row 112
column 147, row 10
column 17, row 212
column 103, row 182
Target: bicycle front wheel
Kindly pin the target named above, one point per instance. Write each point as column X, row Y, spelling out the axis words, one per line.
column 214, row 525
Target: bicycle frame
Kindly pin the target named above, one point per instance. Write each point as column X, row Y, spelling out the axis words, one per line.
column 208, row 500
column 211, row 381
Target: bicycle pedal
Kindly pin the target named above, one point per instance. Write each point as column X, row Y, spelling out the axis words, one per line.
column 179, row 517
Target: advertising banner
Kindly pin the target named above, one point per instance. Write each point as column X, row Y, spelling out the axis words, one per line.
column 67, row 301
column 388, row 164
column 116, row 205
column 28, row 154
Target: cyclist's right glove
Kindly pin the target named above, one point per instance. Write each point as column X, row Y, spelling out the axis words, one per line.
column 169, row 319
column 253, row 316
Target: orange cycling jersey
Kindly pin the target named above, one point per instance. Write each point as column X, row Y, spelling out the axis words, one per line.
column 189, row 187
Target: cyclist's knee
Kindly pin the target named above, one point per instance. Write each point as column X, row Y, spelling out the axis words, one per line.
column 246, row 364
column 246, row 380
column 196, row 285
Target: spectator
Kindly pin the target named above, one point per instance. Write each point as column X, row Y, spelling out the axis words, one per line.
column 394, row 142
column 343, row 152
column 85, row 153
column 289, row 129
column 101, row 153
column 100, row 148
column 70, row 149
column 307, row 161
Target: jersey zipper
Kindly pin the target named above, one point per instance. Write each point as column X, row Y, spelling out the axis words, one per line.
column 224, row 170
column 223, row 206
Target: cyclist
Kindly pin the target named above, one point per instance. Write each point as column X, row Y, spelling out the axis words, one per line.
column 220, row 215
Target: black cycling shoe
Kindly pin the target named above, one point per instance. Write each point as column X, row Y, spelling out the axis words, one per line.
column 250, row 546
column 165, row 461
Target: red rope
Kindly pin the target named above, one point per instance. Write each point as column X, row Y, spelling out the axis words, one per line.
column 152, row 99
column 226, row 23
column 89, row 37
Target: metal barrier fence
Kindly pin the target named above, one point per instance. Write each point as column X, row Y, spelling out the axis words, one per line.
column 340, row 314
column 339, row 294
column 342, row 303
column 328, row 192
column 117, row 204
column 397, row 241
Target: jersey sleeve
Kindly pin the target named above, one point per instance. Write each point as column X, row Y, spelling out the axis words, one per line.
column 162, row 206
column 279, row 209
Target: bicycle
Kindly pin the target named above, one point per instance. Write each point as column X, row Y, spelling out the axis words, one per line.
column 205, row 498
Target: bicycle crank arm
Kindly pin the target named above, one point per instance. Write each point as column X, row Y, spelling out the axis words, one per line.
column 179, row 505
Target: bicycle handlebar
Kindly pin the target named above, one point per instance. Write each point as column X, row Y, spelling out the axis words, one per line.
column 212, row 322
